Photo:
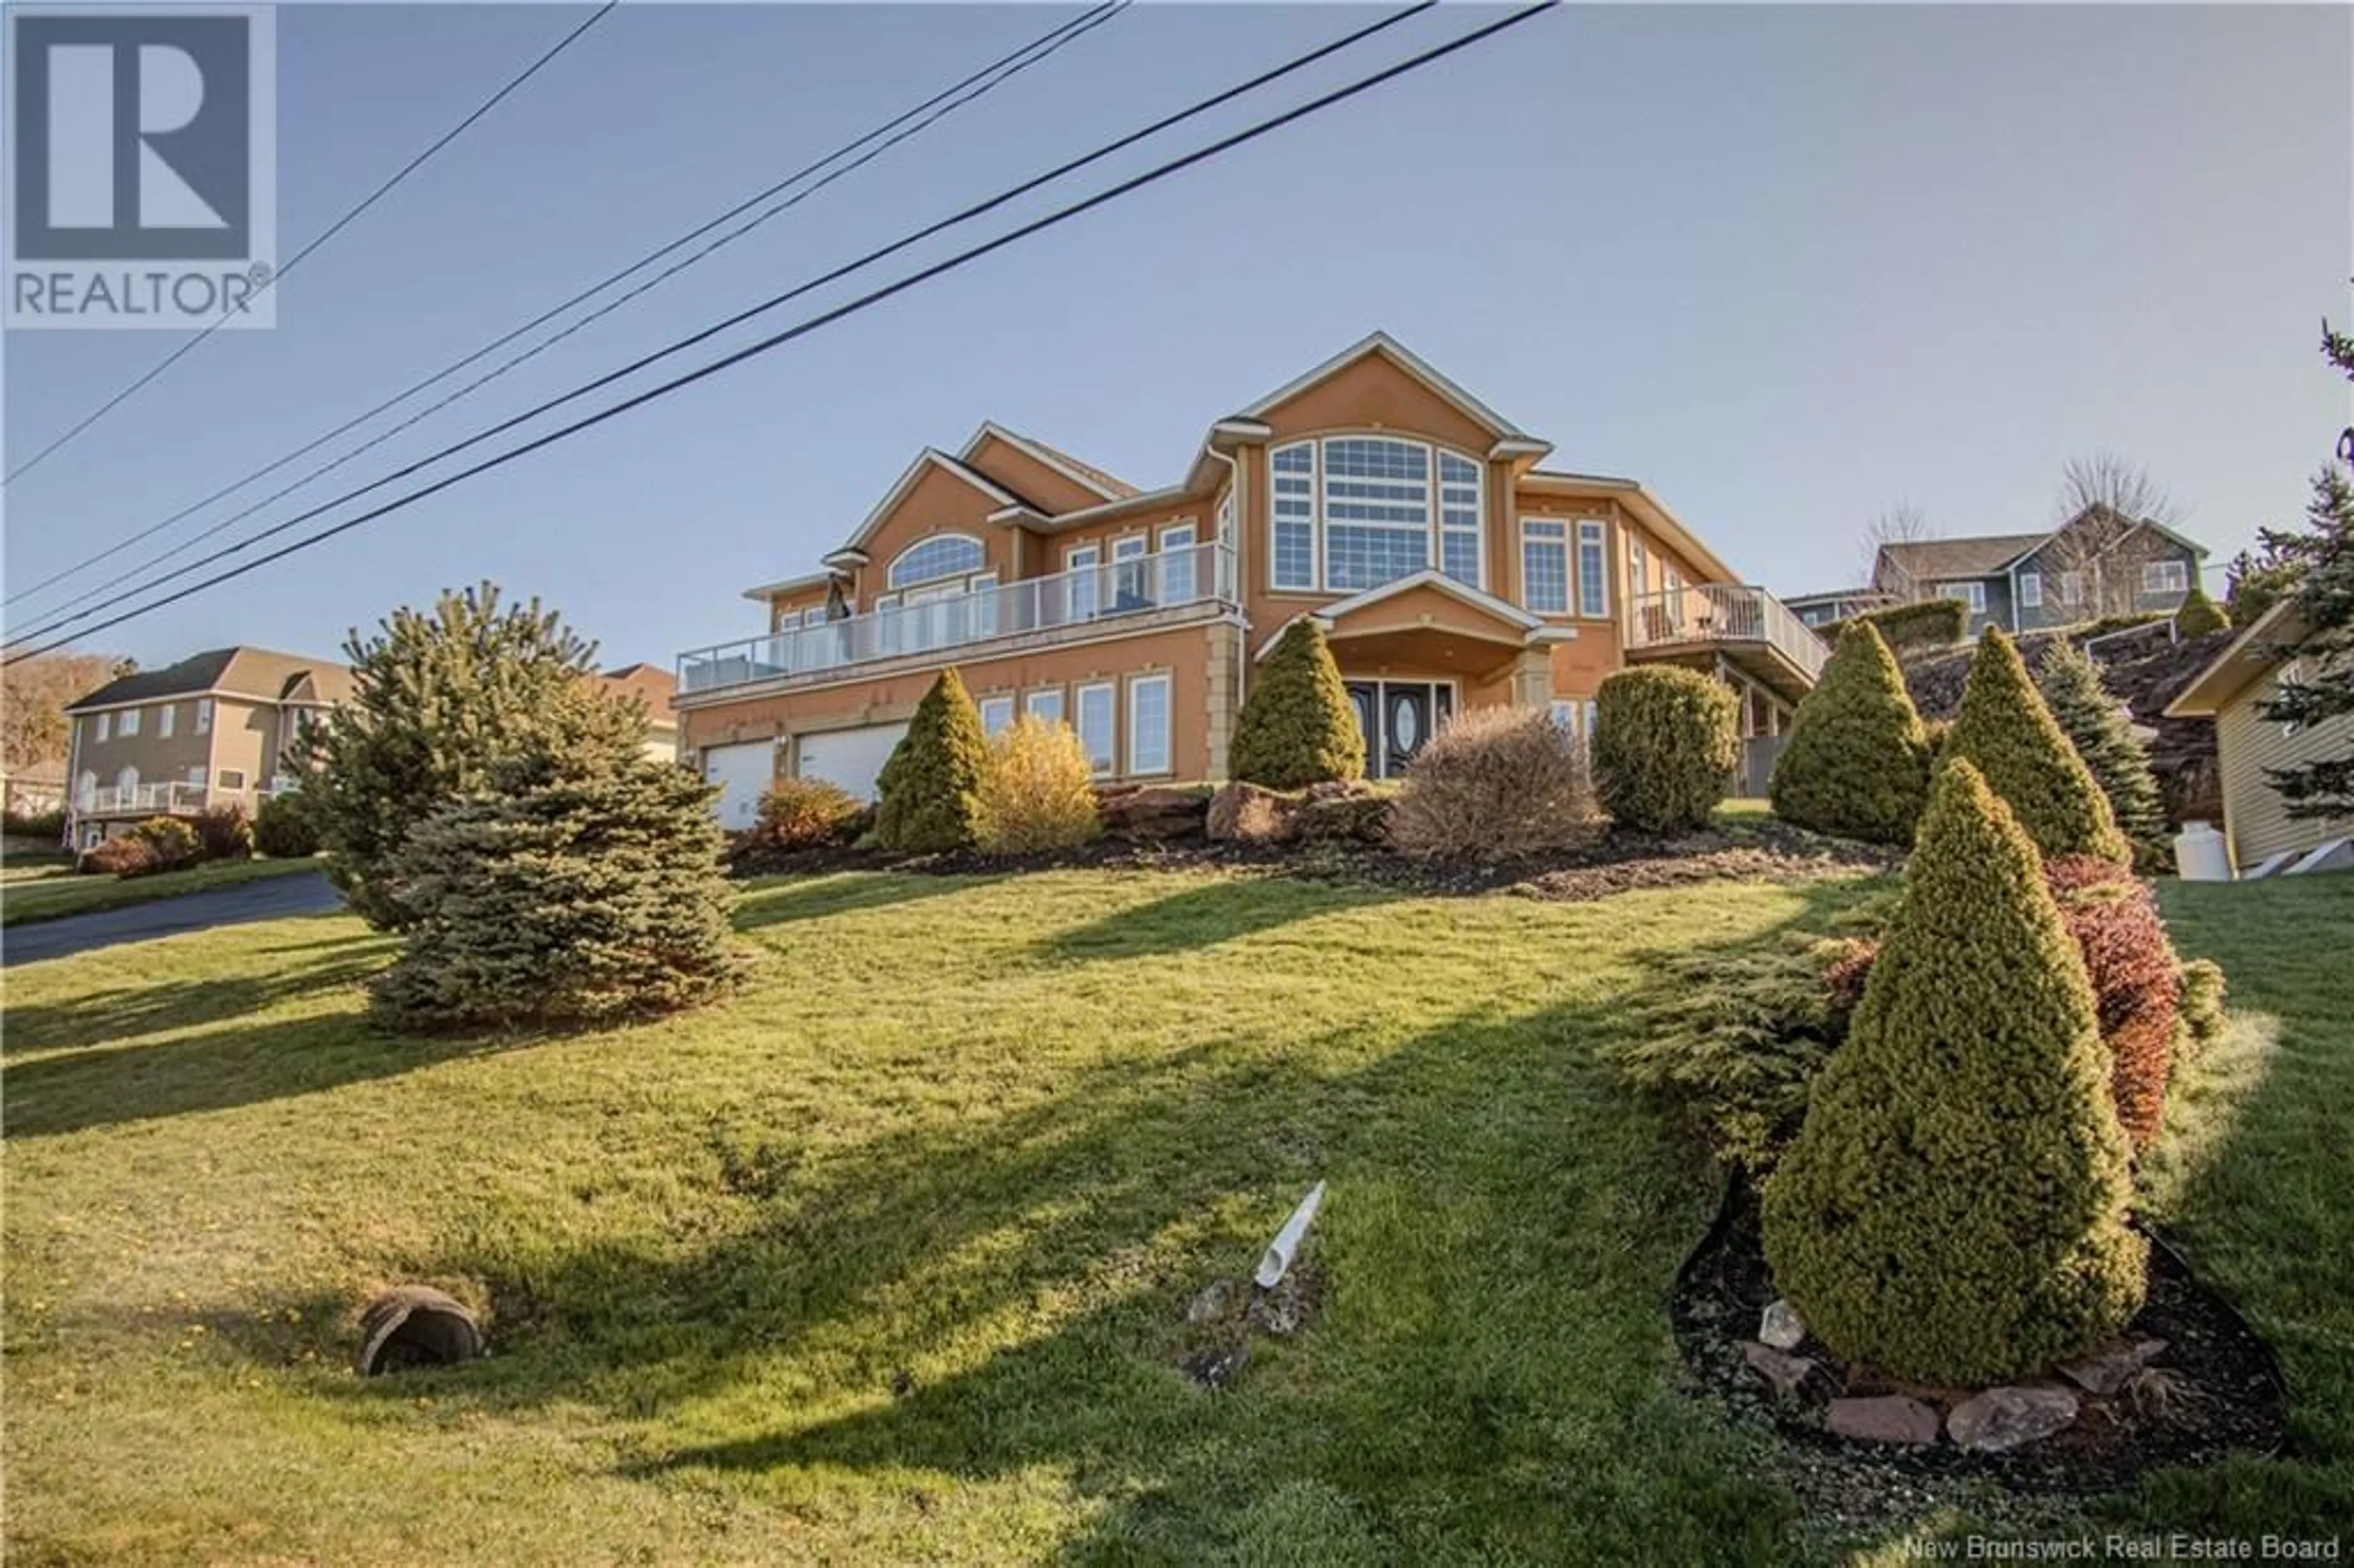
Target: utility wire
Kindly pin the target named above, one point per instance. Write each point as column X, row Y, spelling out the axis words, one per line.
column 169, row 360
column 926, row 113
column 864, row 301
column 1299, row 62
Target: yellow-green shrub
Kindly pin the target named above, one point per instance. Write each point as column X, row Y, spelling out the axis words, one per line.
column 1954, row 1210
column 804, row 813
column 170, row 843
column 1857, row 760
column 1666, row 741
column 1037, row 791
column 1298, row 726
column 2006, row 731
column 2200, row 615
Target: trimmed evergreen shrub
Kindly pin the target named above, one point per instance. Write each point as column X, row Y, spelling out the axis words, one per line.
column 170, row 843
column 1037, row 791
column 1857, row 760
column 2200, row 615
column 1666, row 741
column 2202, row 1010
column 126, row 856
column 2098, row 725
column 286, row 828
column 580, row 890
column 2006, row 732
column 1298, row 726
column 805, row 814
column 1494, row 783
column 929, row 792
column 223, row 832
column 47, row 825
column 1954, row 1210
column 1909, row 628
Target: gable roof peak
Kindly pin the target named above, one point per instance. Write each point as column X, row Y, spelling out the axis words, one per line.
column 1381, row 342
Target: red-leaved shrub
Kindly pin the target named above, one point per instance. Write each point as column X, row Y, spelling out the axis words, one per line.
column 124, row 856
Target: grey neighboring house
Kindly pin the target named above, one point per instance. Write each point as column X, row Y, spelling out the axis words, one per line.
column 2098, row 564
column 1820, row 610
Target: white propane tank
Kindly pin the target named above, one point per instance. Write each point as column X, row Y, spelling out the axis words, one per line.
column 2199, row 854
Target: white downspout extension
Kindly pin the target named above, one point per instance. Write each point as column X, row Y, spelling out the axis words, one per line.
column 1277, row 1260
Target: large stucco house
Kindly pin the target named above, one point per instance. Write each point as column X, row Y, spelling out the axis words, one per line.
column 216, row 728
column 1450, row 567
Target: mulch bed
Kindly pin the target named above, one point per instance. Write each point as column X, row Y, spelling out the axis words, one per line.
column 1611, row 862
column 2216, row 1388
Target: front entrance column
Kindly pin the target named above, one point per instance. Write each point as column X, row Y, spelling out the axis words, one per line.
column 1532, row 679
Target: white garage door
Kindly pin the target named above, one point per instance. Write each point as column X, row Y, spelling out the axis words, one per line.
column 850, row 757
column 743, row 774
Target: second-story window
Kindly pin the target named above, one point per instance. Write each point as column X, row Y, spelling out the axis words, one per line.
column 166, row 719
column 129, row 723
column 204, row 717
column 2165, row 577
column 1593, row 571
column 105, row 725
column 1545, row 565
column 941, row 556
column 1352, row 513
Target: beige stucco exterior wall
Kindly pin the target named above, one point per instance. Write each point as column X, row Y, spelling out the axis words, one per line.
column 2255, row 818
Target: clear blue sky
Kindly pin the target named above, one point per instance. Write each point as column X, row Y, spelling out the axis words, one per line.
column 1788, row 266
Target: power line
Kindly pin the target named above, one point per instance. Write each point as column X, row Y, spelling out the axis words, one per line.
column 924, row 116
column 1299, row 62
column 826, row 318
column 169, row 360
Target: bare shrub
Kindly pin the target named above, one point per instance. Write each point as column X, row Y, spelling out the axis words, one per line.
column 1494, row 784
column 1037, row 791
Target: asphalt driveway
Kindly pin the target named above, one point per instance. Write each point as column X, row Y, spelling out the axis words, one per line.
column 267, row 898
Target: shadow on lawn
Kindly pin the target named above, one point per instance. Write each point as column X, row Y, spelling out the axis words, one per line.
column 845, row 893
column 1203, row 917
column 116, row 1014
column 1491, row 1375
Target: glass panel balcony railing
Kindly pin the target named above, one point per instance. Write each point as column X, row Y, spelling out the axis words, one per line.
column 1196, row 574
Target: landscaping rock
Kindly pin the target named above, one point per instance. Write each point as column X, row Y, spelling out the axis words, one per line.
column 1286, row 1310
column 415, row 1326
column 1209, row 1303
column 1157, row 812
column 2003, row 1418
column 2108, row 1369
column 1340, row 818
column 1787, row 1373
column 1882, row 1419
column 1247, row 813
column 1781, row 1327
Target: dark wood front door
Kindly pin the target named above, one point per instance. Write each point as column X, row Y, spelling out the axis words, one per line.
column 1396, row 718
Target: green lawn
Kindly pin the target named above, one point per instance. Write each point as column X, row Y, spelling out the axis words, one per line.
column 885, row 1260
column 47, row 891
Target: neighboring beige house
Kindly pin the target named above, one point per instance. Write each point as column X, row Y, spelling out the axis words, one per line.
column 212, row 730
column 654, row 686
column 2256, row 823
column 1449, row 568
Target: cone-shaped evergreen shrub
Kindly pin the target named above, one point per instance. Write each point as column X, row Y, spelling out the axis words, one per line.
column 1954, row 1209
column 2004, row 730
column 1666, row 741
column 578, row 891
column 929, row 796
column 1857, row 760
column 2200, row 615
column 2098, row 725
column 1298, row 726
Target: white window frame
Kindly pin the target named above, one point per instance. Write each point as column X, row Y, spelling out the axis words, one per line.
column 1130, row 576
column 1177, row 578
column 996, row 716
column 129, row 729
column 1558, row 539
column 891, row 577
column 167, row 719
column 1086, row 558
column 1319, row 579
column 2174, row 576
column 1099, row 762
column 2030, row 590
column 1140, row 765
column 199, row 774
column 1970, row 593
column 105, row 725
column 1037, row 702
column 126, row 783
column 983, row 620
column 2072, row 588
column 1595, row 534
column 203, row 716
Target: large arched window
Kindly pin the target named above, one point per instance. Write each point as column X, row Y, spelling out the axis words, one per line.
column 941, row 556
column 1352, row 513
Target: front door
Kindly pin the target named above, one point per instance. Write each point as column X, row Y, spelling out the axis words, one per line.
column 1396, row 718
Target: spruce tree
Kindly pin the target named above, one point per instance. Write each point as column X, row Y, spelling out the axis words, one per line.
column 1298, row 726
column 1955, row 1208
column 1857, row 760
column 2323, row 649
column 582, row 887
column 440, row 700
column 2004, row 730
column 2099, row 727
column 929, row 796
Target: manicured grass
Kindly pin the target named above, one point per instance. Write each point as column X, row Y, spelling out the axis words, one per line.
column 886, row 1259
column 55, row 891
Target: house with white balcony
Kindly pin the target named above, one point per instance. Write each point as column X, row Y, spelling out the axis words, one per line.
column 216, row 728
column 1449, row 565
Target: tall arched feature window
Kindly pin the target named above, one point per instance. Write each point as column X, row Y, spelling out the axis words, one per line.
column 1352, row 513
column 941, row 556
